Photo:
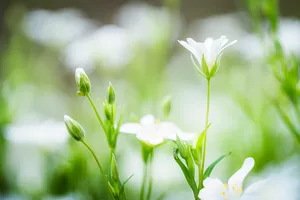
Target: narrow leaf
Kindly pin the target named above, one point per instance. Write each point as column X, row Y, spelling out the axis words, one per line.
column 212, row 166
column 185, row 171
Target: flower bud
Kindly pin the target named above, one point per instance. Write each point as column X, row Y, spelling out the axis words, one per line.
column 83, row 82
column 182, row 148
column 74, row 128
column 107, row 111
column 166, row 106
column 111, row 95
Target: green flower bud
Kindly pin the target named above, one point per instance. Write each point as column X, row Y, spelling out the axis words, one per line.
column 74, row 128
column 166, row 106
column 114, row 169
column 83, row 82
column 182, row 148
column 111, row 95
column 107, row 111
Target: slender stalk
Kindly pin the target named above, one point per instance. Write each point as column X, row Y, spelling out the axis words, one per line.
column 98, row 163
column 288, row 122
column 150, row 178
column 96, row 112
column 201, row 167
column 142, row 193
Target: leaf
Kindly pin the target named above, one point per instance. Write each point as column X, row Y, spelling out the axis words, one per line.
column 123, row 185
column 197, row 148
column 128, row 179
column 185, row 171
column 212, row 166
column 162, row 196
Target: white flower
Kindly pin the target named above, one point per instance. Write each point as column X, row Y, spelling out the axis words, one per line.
column 214, row 189
column 209, row 51
column 56, row 28
column 153, row 132
column 108, row 46
column 50, row 134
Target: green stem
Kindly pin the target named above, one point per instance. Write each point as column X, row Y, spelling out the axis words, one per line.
column 288, row 122
column 142, row 193
column 201, row 168
column 96, row 112
column 150, row 177
column 98, row 163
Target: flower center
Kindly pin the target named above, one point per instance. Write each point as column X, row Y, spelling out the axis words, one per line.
column 231, row 193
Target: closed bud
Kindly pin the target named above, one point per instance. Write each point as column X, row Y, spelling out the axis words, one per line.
column 182, row 147
column 114, row 169
column 166, row 106
column 111, row 95
column 74, row 128
column 107, row 111
column 83, row 82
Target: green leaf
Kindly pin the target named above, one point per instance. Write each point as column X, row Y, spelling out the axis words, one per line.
column 212, row 166
column 197, row 149
column 185, row 171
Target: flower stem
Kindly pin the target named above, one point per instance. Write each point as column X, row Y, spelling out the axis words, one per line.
column 150, row 178
column 98, row 163
column 202, row 165
column 96, row 112
column 144, row 181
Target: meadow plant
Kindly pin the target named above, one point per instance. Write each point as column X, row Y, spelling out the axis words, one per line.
column 190, row 151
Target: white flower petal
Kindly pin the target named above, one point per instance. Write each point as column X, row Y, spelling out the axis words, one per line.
column 231, row 43
column 147, row 120
column 235, row 182
column 168, row 130
column 131, row 128
column 149, row 135
column 213, row 189
column 191, row 48
column 186, row 136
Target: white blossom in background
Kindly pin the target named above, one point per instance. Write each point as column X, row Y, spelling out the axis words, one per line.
column 108, row 46
column 147, row 24
column 288, row 35
column 214, row 26
column 211, row 50
column 56, row 28
column 28, row 145
column 153, row 132
column 214, row 189
column 47, row 134
column 251, row 48
column 283, row 180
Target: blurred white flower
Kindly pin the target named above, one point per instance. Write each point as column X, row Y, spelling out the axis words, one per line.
column 288, row 34
column 49, row 134
column 214, row 189
column 210, row 50
column 226, row 24
column 109, row 46
column 251, row 48
column 147, row 24
column 55, row 28
column 153, row 132
column 283, row 181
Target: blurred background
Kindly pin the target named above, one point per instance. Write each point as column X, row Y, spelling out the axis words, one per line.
column 254, row 109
